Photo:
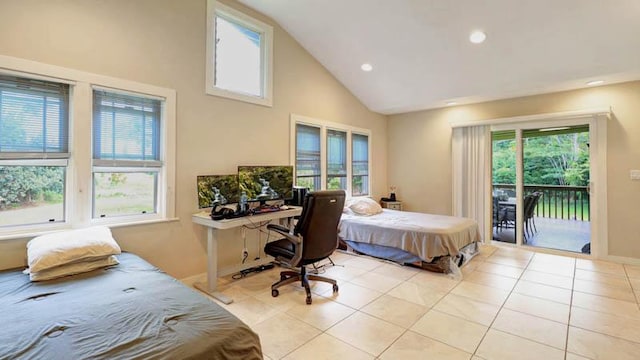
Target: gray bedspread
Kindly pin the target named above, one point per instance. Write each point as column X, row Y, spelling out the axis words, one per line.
column 129, row 311
column 426, row 236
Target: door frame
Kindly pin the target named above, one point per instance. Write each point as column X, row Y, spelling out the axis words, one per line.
column 597, row 121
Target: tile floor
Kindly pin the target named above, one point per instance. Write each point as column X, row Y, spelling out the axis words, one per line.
column 510, row 304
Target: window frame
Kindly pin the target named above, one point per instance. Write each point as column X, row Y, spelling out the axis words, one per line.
column 368, row 162
column 347, row 152
column 78, row 182
column 48, row 159
column 215, row 8
column 127, row 166
column 324, row 126
column 43, row 226
column 295, row 159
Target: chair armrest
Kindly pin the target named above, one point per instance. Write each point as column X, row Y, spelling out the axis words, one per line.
column 278, row 228
column 294, row 239
column 285, row 232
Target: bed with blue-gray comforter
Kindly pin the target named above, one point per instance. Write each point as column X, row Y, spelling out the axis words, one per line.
column 128, row 311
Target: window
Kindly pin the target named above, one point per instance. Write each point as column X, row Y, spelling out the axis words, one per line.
column 308, row 173
column 336, row 160
column 34, row 151
column 360, row 164
column 75, row 145
column 126, row 154
column 330, row 156
column 239, row 55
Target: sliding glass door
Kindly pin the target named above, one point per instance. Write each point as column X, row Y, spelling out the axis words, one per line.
column 540, row 177
column 503, row 161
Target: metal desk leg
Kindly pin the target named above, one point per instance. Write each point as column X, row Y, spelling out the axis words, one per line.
column 212, row 270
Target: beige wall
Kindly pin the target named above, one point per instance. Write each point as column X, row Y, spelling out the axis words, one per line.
column 162, row 42
column 420, row 152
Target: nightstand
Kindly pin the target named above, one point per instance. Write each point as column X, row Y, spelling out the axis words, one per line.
column 393, row 205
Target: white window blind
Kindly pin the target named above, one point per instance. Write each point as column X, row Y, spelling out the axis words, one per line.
column 34, row 151
column 126, row 154
column 308, row 169
column 126, row 130
column 34, row 118
column 360, row 164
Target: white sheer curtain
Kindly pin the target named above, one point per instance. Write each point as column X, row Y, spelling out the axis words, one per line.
column 471, row 150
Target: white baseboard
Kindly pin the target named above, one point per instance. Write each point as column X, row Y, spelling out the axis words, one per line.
column 621, row 259
column 194, row 278
column 228, row 270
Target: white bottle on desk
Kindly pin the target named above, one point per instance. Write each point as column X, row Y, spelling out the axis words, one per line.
column 244, row 202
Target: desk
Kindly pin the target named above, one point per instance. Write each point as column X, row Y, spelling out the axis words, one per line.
column 203, row 218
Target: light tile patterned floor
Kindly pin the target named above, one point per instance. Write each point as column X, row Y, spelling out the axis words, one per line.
column 511, row 304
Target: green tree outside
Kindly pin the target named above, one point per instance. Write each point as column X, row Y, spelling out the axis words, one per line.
column 548, row 160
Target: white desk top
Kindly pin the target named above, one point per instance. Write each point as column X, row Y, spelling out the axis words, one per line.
column 204, row 218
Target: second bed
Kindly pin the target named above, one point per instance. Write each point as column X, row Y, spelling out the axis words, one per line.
column 410, row 237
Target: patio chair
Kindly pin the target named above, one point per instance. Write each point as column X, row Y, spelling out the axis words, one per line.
column 529, row 206
column 532, row 219
column 499, row 214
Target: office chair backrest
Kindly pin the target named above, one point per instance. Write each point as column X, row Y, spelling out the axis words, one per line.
column 318, row 224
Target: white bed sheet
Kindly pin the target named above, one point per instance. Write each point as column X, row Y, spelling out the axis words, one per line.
column 424, row 235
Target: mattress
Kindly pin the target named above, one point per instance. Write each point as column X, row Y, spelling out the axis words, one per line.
column 128, row 311
column 426, row 236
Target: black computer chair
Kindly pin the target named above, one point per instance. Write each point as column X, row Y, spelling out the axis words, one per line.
column 314, row 238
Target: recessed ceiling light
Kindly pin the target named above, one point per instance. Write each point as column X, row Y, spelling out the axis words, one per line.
column 366, row 67
column 477, row 37
column 451, row 103
column 595, row 82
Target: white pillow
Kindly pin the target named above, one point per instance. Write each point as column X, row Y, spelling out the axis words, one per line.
column 365, row 206
column 51, row 250
column 347, row 211
column 73, row 268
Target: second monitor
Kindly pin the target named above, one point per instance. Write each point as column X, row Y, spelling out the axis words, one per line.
column 263, row 183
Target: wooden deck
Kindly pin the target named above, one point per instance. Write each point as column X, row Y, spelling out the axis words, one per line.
column 569, row 235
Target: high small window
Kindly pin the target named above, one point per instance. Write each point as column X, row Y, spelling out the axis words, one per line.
column 239, row 55
column 360, row 164
column 308, row 166
column 126, row 154
column 34, row 151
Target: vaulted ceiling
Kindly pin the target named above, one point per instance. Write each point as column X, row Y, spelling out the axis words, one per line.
column 422, row 57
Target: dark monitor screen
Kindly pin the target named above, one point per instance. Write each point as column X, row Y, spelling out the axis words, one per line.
column 227, row 186
column 263, row 183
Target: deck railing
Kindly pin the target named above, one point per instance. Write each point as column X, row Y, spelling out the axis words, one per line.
column 557, row 201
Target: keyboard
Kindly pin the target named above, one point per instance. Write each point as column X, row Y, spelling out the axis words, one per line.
column 264, row 210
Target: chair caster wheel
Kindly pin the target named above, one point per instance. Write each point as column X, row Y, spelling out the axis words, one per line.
column 309, row 300
column 275, row 293
column 335, row 288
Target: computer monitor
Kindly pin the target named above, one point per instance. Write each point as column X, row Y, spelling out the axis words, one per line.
column 264, row 183
column 226, row 185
